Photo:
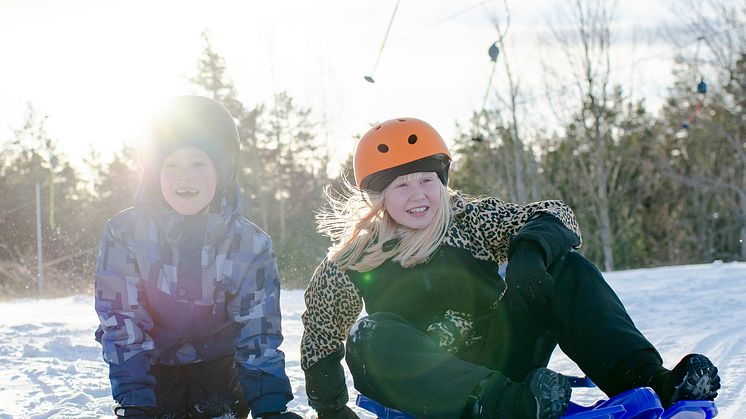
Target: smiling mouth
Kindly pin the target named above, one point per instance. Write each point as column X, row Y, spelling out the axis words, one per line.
column 186, row 192
column 417, row 210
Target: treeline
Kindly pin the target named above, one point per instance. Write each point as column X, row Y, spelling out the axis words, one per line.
column 647, row 191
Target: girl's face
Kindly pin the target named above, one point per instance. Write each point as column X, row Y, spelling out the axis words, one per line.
column 412, row 200
column 188, row 180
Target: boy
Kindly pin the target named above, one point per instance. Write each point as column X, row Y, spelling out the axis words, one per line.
column 187, row 289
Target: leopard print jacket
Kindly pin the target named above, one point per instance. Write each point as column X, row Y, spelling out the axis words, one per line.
column 483, row 226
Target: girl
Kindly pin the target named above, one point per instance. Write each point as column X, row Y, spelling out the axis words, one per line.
column 445, row 335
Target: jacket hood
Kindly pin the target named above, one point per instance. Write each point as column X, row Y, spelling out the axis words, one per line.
column 195, row 121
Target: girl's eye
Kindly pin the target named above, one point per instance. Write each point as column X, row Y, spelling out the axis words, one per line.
column 401, row 185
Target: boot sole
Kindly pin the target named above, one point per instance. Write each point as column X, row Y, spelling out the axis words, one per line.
column 552, row 393
column 701, row 381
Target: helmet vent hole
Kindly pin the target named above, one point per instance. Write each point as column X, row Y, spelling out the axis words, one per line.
column 402, row 120
column 412, row 139
column 383, row 148
column 377, row 127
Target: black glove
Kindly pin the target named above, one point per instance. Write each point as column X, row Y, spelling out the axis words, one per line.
column 325, row 382
column 342, row 413
column 527, row 274
column 135, row 412
column 279, row 415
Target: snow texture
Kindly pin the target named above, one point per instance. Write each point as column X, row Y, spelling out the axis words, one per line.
column 51, row 367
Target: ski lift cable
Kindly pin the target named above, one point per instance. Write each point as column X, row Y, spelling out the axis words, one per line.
column 557, row 92
column 441, row 21
column 383, row 44
column 561, row 88
column 526, row 100
column 418, row 31
column 366, row 54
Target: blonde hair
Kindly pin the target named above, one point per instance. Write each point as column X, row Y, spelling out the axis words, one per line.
column 362, row 231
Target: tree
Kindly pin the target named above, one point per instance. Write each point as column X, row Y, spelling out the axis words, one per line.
column 283, row 171
column 710, row 156
column 212, row 78
column 31, row 157
column 594, row 104
column 485, row 156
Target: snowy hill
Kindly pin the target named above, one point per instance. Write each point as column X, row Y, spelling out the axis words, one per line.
column 50, row 366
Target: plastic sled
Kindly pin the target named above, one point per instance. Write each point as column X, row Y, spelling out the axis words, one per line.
column 638, row 403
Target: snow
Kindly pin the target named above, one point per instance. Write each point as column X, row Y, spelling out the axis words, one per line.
column 51, row 367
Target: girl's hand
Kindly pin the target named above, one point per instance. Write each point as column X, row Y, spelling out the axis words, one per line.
column 455, row 331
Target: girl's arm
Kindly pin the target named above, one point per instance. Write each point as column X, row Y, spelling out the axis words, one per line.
column 332, row 306
column 501, row 223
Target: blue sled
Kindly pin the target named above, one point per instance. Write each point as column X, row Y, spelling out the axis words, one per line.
column 638, row 403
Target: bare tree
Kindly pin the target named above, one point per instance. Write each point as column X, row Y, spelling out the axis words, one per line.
column 514, row 140
column 590, row 97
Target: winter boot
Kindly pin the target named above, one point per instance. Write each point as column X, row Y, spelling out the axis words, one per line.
column 693, row 378
column 544, row 395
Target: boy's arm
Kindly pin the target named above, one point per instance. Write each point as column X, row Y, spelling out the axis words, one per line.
column 260, row 364
column 332, row 306
column 124, row 323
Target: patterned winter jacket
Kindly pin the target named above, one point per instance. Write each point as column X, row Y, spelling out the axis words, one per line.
column 175, row 290
column 459, row 280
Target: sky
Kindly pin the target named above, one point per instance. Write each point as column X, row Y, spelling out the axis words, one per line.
column 95, row 68
column 51, row 367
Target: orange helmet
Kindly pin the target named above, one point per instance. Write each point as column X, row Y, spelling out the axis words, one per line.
column 398, row 147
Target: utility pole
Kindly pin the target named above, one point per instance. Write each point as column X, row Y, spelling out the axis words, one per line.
column 39, row 254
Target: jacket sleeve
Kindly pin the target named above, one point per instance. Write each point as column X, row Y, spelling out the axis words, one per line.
column 500, row 222
column 256, row 310
column 333, row 304
column 124, row 322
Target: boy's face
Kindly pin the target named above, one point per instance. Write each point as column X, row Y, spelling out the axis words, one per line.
column 188, row 180
column 412, row 200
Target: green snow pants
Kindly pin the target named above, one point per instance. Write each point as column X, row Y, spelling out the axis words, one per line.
column 402, row 367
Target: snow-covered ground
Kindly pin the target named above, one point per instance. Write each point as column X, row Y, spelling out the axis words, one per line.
column 50, row 366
